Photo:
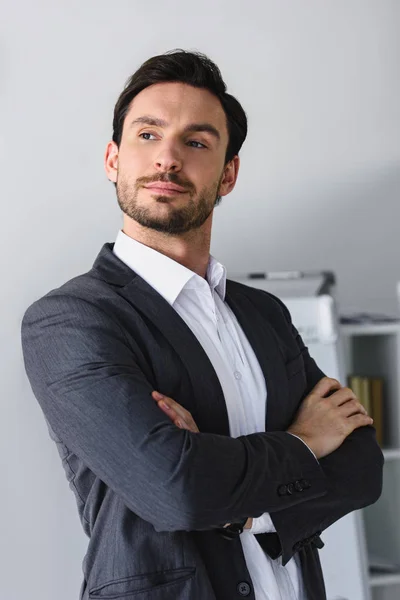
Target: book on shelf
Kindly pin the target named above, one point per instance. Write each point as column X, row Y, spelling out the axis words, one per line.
column 376, row 406
column 369, row 391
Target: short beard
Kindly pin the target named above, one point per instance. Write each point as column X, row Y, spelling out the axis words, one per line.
column 180, row 220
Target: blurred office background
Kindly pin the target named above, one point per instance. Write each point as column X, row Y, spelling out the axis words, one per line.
column 318, row 188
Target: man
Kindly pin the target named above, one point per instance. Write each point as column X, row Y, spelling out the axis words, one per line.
column 206, row 450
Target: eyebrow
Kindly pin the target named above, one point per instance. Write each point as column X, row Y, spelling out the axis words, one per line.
column 198, row 127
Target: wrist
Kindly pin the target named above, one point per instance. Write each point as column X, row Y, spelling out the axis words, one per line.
column 309, row 442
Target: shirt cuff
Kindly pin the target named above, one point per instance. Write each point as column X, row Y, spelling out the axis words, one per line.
column 262, row 524
column 299, row 438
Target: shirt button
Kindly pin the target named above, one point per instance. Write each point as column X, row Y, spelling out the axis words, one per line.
column 244, row 588
column 238, row 375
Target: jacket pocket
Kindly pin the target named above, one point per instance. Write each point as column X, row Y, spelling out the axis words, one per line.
column 129, row 587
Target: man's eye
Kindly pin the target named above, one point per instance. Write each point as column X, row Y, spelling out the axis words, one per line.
column 199, row 146
column 145, row 133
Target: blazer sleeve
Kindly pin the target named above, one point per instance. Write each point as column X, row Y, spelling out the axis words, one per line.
column 353, row 477
column 97, row 400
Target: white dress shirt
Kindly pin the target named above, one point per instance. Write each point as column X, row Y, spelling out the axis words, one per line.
column 200, row 303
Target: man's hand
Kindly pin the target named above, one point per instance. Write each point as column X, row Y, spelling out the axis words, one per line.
column 182, row 418
column 179, row 416
column 327, row 416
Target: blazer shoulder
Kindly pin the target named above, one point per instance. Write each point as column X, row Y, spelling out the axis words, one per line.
column 82, row 290
column 100, row 285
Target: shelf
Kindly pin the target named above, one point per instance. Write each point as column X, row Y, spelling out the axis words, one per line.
column 373, row 350
column 391, row 453
column 370, row 329
column 384, row 579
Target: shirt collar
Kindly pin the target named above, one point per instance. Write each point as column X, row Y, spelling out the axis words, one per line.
column 164, row 274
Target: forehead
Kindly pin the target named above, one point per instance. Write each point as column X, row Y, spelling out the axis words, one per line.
column 179, row 104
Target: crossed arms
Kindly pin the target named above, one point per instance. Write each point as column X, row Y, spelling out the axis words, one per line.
column 88, row 382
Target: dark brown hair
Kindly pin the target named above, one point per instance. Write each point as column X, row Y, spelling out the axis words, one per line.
column 193, row 68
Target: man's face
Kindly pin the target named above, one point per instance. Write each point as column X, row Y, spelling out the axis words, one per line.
column 170, row 166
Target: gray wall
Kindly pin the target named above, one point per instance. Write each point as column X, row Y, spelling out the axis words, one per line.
column 318, row 188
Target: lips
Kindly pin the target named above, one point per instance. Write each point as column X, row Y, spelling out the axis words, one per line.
column 165, row 187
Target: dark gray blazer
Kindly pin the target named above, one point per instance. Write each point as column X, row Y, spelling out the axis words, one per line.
column 150, row 495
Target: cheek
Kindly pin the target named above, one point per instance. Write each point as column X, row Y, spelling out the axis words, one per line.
column 202, row 172
column 133, row 164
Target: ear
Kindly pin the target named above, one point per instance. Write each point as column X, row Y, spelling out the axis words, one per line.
column 111, row 161
column 229, row 178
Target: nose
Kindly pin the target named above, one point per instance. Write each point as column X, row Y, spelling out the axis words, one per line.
column 168, row 159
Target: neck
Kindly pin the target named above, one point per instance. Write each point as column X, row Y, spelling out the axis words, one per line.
column 192, row 249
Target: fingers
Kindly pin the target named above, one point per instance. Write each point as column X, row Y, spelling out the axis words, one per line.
column 342, row 396
column 358, row 420
column 170, row 403
column 177, row 413
column 332, row 391
column 325, row 386
column 352, row 407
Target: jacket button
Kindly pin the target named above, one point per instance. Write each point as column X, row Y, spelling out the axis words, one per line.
column 290, row 488
column 298, row 486
column 306, row 484
column 244, row 588
column 282, row 490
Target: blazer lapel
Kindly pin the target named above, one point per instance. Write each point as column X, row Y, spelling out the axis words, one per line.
column 266, row 348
